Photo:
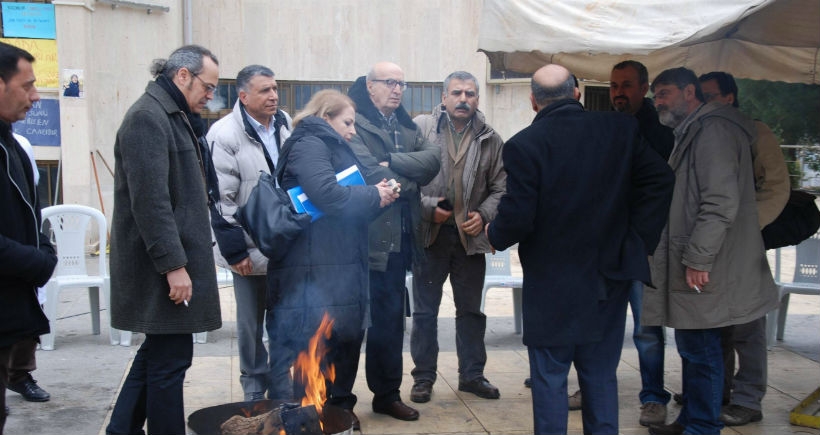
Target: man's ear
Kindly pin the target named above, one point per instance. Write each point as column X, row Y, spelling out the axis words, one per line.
column 532, row 102
column 182, row 76
column 689, row 92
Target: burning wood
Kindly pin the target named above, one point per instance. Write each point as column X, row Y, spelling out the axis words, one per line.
column 311, row 417
column 288, row 419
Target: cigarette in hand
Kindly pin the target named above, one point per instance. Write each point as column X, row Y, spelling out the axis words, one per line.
column 185, row 301
column 697, row 289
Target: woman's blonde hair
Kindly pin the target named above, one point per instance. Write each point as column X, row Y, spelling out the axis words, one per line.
column 328, row 102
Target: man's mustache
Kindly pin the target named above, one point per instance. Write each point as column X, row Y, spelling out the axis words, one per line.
column 463, row 106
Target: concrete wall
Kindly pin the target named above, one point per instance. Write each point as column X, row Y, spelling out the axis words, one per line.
column 320, row 40
column 302, row 40
column 113, row 47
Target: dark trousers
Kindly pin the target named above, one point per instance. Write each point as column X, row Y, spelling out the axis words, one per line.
column 746, row 386
column 446, row 256
column 19, row 356
column 152, row 390
column 385, row 336
column 22, row 360
column 345, row 357
column 596, row 364
column 702, row 370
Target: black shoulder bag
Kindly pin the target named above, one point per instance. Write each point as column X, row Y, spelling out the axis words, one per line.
column 798, row 221
column 269, row 217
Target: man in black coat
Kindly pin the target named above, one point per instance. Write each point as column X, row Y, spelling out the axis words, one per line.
column 26, row 257
column 628, row 85
column 586, row 199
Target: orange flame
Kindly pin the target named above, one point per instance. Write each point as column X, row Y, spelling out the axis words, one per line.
column 308, row 366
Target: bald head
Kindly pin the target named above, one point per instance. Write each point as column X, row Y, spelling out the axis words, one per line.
column 383, row 68
column 551, row 83
column 385, row 85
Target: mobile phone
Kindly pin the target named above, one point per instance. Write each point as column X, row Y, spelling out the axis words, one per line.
column 445, row 204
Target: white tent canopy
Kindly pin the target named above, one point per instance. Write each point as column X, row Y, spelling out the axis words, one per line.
column 758, row 39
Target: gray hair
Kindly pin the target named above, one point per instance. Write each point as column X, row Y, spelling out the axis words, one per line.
column 546, row 95
column 246, row 74
column 460, row 75
column 188, row 57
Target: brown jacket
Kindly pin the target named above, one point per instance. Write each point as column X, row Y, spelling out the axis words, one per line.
column 482, row 182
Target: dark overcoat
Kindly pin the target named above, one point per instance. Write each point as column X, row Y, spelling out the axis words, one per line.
column 326, row 267
column 160, row 222
column 413, row 161
column 586, row 200
column 26, row 257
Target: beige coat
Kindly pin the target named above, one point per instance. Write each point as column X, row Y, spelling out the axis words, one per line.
column 712, row 226
column 771, row 175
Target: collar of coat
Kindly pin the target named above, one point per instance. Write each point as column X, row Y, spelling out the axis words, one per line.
column 565, row 105
column 364, row 105
column 690, row 128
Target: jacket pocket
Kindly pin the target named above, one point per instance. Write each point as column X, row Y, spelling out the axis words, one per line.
column 677, row 270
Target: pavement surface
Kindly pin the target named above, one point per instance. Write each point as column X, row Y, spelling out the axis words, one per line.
column 84, row 372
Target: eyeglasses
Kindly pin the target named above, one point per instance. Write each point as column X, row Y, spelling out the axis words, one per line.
column 392, row 83
column 209, row 88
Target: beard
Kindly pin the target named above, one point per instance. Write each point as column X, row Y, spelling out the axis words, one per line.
column 672, row 116
column 623, row 108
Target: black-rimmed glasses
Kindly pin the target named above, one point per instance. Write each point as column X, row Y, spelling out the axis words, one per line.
column 209, row 88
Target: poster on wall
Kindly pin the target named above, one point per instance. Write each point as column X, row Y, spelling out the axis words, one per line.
column 29, row 20
column 42, row 124
column 72, row 80
column 45, row 59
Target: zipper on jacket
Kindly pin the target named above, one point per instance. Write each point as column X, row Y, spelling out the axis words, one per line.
column 20, row 191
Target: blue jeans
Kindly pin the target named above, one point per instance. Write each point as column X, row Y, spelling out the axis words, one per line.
column 649, row 342
column 596, row 364
column 702, row 370
column 153, row 388
column 385, row 336
column 446, row 256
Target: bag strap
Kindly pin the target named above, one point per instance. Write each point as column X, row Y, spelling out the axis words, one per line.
column 282, row 163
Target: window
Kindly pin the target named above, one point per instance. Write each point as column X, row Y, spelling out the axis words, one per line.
column 417, row 99
column 596, row 98
column 49, row 188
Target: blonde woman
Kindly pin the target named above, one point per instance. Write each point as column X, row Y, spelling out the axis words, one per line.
column 326, row 269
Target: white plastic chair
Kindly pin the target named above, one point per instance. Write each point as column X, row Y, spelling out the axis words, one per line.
column 69, row 224
column 806, row 281
column 499, row 274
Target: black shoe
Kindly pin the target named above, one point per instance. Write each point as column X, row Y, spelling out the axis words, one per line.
column 666, row 429
column 397, row 410
column 30, row 391
column 528, row 382
column 481, row 387
column 354, row 420
column 736, row 415
column 421, row 392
